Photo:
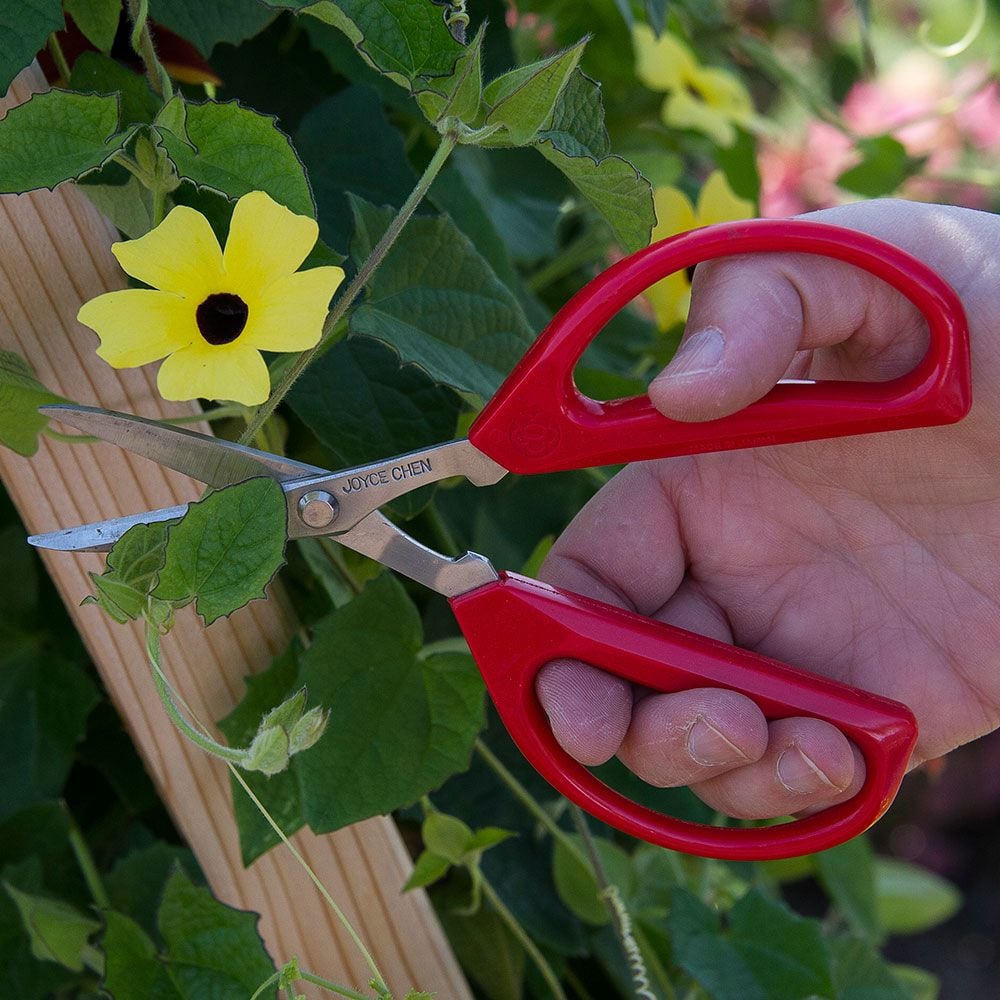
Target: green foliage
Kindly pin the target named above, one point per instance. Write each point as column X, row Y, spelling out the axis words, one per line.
column 575, row 883
column 55, row 137
column 450, row 842
column 207, row 24
column 24, row 27
column 847, row 873
column 20, row 396
column 884, row 166
column 233, row 150
column 439, row 304
column 226, row 549
column 209, row 949
column 912, row 899
column 131, row 573
column 99, row 74
column 58, row 932
column 97, row 19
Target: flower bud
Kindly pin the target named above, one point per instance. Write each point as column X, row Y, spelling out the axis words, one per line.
column 308, row 730
column 269, row 751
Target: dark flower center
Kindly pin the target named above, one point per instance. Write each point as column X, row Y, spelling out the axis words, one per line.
column 221, row 318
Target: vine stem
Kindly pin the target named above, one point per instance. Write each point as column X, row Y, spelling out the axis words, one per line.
column 309, row 977
column 353, row 290
column 522, row 937
column 206, row 743
column 142, row 42
column 88, row 868
column 59, row 58
column 315, row 879
column 615, row 905
column 529, row 802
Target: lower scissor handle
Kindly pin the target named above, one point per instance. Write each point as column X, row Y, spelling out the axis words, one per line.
column 516, row 625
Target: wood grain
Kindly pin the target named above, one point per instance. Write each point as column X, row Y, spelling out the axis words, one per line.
column 54, row 255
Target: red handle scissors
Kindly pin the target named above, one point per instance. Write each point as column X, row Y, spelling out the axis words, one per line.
column 540, row 422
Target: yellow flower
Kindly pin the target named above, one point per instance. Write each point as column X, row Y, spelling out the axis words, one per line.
column 210, row 313
column 671, row 297
column 703, row 98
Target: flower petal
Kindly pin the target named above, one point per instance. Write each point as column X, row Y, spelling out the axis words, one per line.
column 180, row 255
column 682, row 110
column 670, row 298
column 266, row 242
column 724, row 92
column 234, row 371
column 138, row 325
column 289, row 315
column 674, row 213
column 661, row 63
column 717, row 202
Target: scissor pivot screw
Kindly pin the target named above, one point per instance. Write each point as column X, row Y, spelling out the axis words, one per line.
column 317, row 508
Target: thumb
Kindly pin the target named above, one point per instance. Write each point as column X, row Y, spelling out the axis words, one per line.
column 757, row 318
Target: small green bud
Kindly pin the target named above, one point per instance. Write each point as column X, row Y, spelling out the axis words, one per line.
column 146, row 155
column 308, row 730
column 287, row 713
column 269, row 751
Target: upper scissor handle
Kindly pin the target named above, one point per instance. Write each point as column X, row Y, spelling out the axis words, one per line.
column 540, row 422
column 516, row 625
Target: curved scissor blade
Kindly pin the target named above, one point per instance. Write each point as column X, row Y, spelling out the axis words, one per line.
column 101, row 535
column 208, row 459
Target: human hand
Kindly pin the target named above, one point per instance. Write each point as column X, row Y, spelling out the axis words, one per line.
column 874, row 560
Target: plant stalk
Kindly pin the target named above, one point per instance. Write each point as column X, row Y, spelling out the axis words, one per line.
column 142, row 42
column 85, row 860
column 514, row 926
column 353, row 290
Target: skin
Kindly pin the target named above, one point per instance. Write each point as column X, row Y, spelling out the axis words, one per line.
column 874, row 560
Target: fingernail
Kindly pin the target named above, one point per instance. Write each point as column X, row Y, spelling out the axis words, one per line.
column 708, row 747
column 700, row 353
column 799, row 774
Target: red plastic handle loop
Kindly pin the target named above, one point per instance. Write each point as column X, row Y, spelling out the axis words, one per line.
column 540, row 422
column 516, row 625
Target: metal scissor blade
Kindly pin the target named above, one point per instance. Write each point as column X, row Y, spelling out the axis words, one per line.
column 101, row 535
column 208, row 459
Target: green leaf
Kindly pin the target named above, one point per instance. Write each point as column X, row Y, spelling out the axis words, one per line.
column 363, row 404
column 884, row 166
column 207, row 24
column 213, row 950
column 132, row 970
column 44, row 704
column 57, row 136
column 911, row 899
column 128, row 206
column 488, row 952
column 233, row 150
column 23, row 976
column 446, row 836
column 656, row 15
column 20, row 396
column 575, row 882
column 97, row 19
column 383, row 698
column 24, row 28
column 859, row 973
column 767, row 952
column 99, row 74
column 428, row 869
column 847, row 873
column 438, row 302
column 281, row 792
column 462, row 91
column 407, row 42
column 523, row 100
column 132, row 570
column 376, row 169
column 226, row 548
column 784, row 951
column 917, row 983
column 577, row 126
column 58, row 932
column 621, row 195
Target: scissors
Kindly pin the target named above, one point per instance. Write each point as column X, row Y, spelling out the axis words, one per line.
column 539, row 422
